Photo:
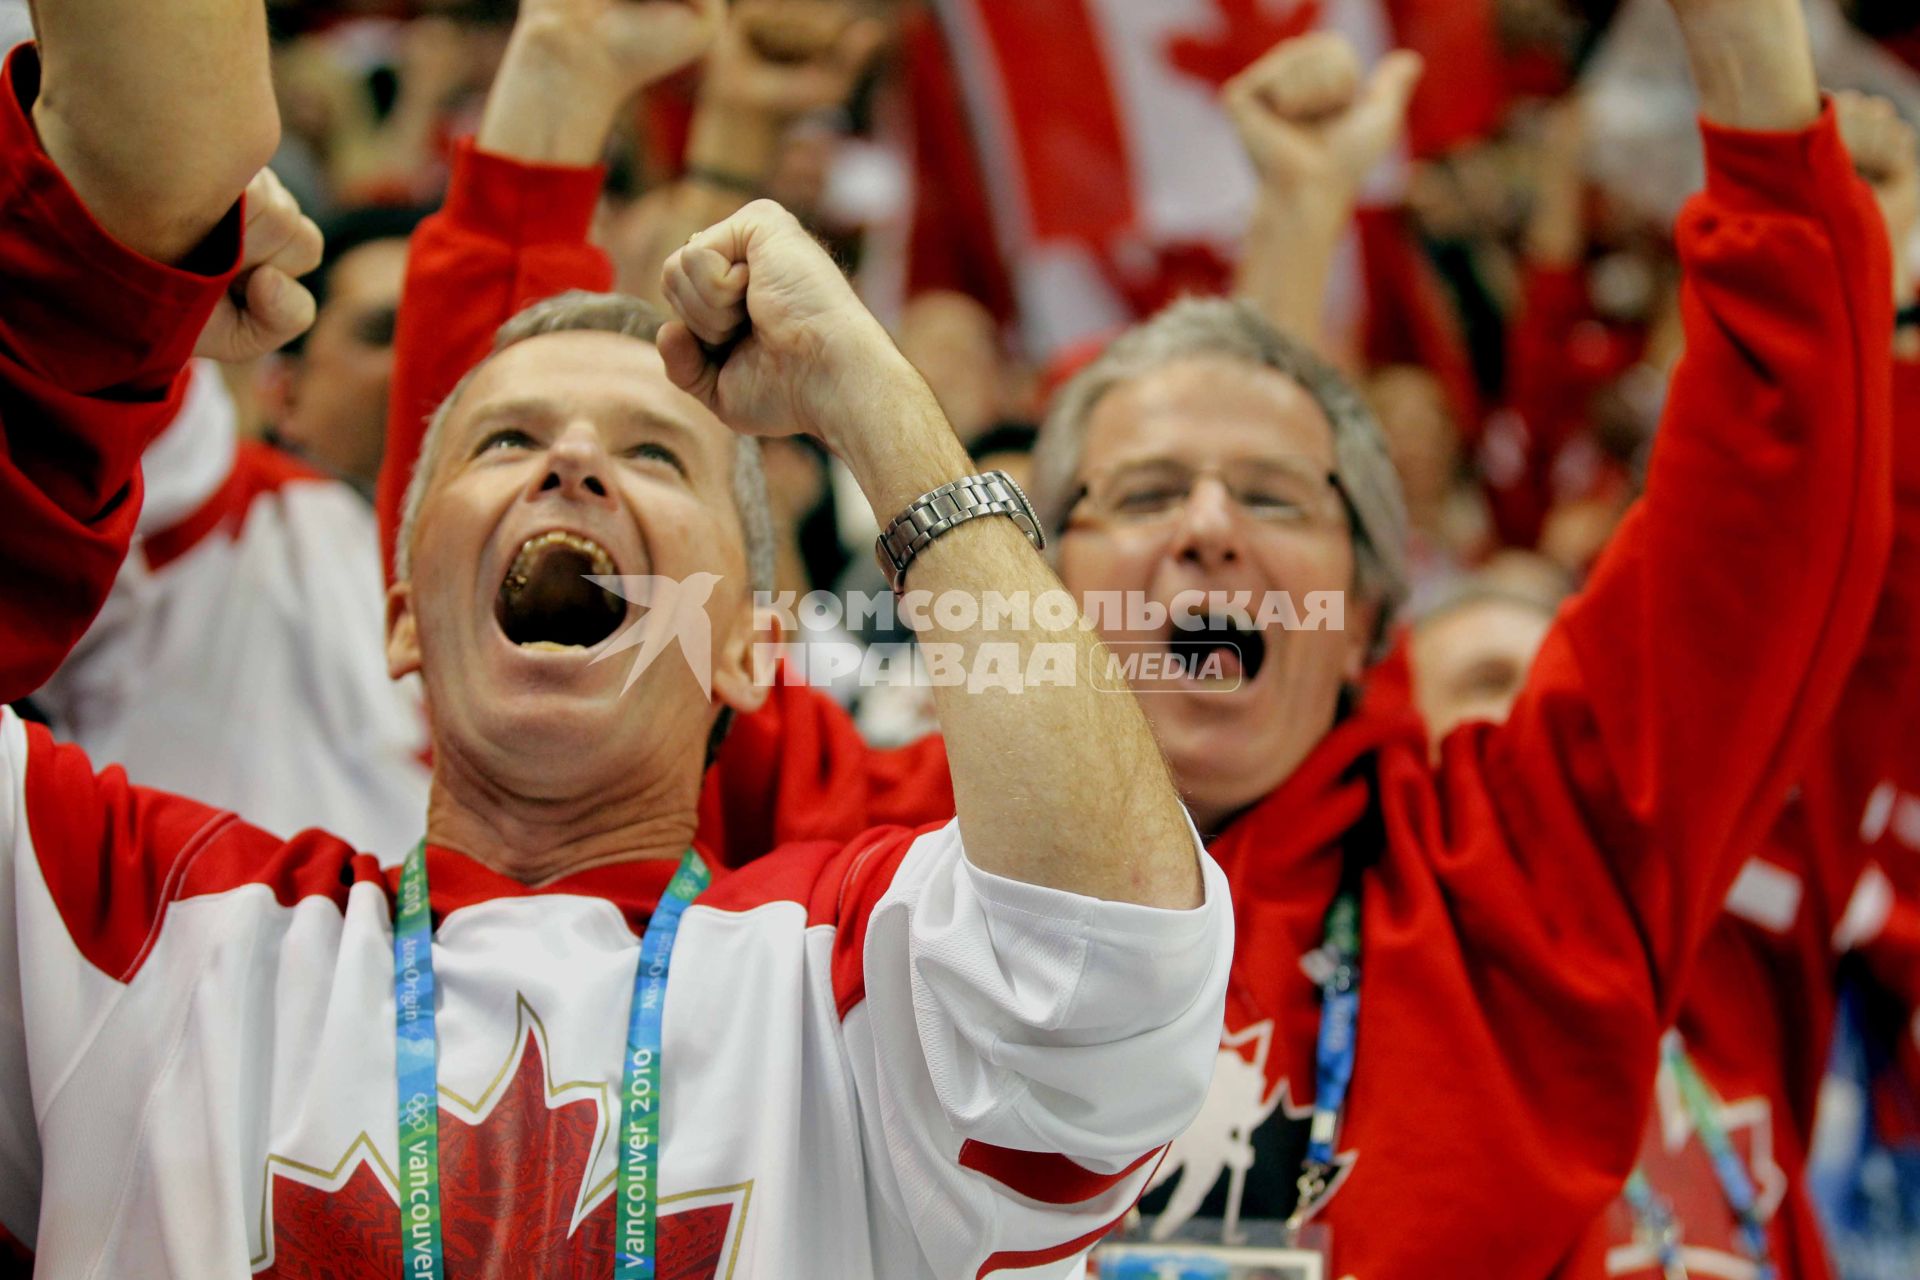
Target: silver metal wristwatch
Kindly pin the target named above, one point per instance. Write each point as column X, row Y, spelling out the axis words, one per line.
column 993, row 493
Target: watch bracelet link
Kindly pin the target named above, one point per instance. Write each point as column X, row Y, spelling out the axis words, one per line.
column 941, row 510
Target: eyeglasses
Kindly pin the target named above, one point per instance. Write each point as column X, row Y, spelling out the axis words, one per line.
column 1289, row 492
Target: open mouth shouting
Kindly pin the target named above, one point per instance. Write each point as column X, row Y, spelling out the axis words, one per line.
column 1217, row 646
column 546, row 601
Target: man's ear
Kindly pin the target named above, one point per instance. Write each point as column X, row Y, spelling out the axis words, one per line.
column 403, row 632
column 743, row 668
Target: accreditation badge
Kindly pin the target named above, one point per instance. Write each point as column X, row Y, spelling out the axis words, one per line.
column 1308, row 1256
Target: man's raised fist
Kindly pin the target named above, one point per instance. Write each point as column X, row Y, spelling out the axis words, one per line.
column 769, row 333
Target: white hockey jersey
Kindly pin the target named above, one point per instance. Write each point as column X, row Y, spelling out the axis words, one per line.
column 240, row 657
column 879, row 1060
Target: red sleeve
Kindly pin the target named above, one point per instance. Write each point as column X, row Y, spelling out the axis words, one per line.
column 94, row 343
column 1548, row 393
column 510, row 234
column 1688, row 686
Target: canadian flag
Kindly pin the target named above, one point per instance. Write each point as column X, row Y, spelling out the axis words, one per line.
column 1114, row 179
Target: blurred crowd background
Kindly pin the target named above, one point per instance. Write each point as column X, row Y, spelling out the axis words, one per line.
column 1009, row 181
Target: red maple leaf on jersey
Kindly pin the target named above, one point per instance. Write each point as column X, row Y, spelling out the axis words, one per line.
column 1679, row 1168
column 508, row 1189
column 1245, row 30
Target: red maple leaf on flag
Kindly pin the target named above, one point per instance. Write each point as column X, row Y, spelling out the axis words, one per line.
column 508, row 1188
column 1245, row 30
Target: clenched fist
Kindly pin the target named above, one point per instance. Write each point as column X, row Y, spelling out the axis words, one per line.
column 1307, row 115
column 267, row 307
column 623, row 43
column 770, row 336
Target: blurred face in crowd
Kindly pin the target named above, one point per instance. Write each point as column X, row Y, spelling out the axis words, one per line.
column 1470, row 661
column 1251, row 452
column 336, row 412
column 571, row 454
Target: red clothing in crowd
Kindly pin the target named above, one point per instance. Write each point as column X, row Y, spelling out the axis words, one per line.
column 1560, row 356
column 1892, row 956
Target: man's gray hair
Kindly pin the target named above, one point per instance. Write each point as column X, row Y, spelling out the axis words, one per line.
column 1200, row 327
column 619, row 313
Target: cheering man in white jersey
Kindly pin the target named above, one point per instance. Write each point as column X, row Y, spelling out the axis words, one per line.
column 546, row 1047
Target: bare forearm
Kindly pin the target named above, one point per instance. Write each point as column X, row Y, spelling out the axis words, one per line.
column 547, row 105
column 1060, row 783
column 1287, row 261
column 1752, row 63
column 158, row 112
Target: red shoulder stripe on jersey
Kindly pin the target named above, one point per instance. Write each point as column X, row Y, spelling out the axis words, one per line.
column 869, row 870
column 838, row 884
column 258, row 469
column 114, row 855
column 1043, row 1176
column 1015, row 1259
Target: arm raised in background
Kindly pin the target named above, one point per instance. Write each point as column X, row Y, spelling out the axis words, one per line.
column 100, row 191
column 522, row 199
column 1314, row 126
column 747, row 100
column 1681, row 694
column 1057, row 783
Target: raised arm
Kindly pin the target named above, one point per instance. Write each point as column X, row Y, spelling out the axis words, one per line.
column 1684, row 691
column 1315, row 125
column 1057, row 783
column 126, row 153
column 157, row 114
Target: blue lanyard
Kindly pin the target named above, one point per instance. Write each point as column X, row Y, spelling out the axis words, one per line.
column 416, row 1056
column 1334, row 1050
column 1728, row 1169
column 1657, row 1225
